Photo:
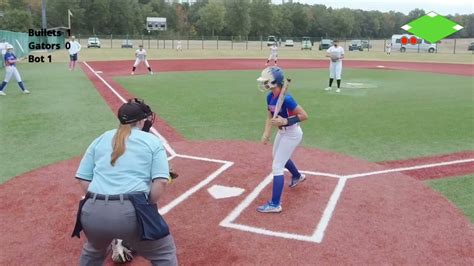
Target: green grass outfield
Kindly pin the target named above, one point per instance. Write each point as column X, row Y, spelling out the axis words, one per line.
column 393, row 115
column 459, row 190
column 412, row 114
column 57, row 121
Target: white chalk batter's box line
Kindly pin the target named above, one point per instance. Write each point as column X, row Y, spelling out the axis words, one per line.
column 175, row 202
column 318, row 234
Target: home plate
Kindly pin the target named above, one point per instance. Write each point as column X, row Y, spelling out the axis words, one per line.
column 380, row 66
column 222, row 192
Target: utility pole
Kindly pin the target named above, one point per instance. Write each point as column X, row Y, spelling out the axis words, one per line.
column 43, row 14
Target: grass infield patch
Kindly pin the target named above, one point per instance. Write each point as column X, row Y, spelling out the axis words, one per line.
column 459, row 190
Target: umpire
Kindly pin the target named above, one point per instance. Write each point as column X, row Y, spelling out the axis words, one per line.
column 123, row 173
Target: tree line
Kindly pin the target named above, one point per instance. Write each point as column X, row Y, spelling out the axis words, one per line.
column 213, row 17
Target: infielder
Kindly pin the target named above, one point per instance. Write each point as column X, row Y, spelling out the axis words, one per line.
column 273, row 54
column 74, row 49
column 287, row 138
column 10, row 70
column 336, row 53
column 140, row 55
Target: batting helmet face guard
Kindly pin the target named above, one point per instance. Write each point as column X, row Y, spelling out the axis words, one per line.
column 270, row 78
column 135, row 110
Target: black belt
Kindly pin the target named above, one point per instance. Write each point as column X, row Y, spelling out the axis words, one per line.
column 110, row 197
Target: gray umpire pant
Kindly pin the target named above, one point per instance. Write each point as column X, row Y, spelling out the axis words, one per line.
column 105, row 220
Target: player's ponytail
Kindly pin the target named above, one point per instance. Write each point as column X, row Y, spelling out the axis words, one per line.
column 119, row 141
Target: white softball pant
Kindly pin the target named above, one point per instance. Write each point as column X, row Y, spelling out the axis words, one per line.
column 285, row 143
column 138, row 61
column 335, row 69
column 273, row 57
column 10, row 71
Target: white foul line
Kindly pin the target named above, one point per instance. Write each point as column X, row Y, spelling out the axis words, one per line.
column 173, row 154
column 319, row 232
column 165, row 142
column 318, row 235
column 409, row 168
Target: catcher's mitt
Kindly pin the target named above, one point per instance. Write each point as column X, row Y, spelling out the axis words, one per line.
column 173, row 174
column 121, row 253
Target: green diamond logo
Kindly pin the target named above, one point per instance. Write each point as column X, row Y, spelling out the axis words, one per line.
column 432, row 27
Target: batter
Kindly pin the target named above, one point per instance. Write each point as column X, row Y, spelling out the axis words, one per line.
column 288, row 137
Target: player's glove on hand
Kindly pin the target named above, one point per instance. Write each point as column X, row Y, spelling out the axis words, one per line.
column 173, row 174
column 121, row 253
column 279, row 121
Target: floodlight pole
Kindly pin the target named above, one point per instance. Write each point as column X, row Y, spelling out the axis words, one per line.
column 43, row 14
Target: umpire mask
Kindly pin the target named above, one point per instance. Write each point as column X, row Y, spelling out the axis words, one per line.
column 135, row 110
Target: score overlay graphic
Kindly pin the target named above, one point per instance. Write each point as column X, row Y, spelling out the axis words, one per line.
column 432, row 27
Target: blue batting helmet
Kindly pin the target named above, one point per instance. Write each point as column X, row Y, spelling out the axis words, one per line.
column 270, row 78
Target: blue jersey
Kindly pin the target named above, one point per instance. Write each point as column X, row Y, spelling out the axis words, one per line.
column 9, row 56
column 287, row 108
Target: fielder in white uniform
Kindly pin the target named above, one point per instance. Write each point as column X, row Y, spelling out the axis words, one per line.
column 273, row 54
column 178, row 46
column 140, row 55
column 74, row 49
column 336, row 54
column 389, row 48
column 10, row 70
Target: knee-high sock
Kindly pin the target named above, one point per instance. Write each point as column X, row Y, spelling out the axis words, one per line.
column 149, row 69
column 278, row 182
column 330, row 82
column 133, row 69
column 22, row 87
column 4, row 84
column 338, row 83
column 292, row 168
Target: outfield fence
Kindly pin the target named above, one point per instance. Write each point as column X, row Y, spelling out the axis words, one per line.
column 156, row 41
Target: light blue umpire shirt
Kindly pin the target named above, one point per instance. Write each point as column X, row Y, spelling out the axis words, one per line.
column 143, row 161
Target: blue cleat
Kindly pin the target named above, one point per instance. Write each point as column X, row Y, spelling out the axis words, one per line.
column 297, row 180
column 269, row 207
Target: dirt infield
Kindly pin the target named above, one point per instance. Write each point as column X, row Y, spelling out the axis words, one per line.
column 122, row 68
column 376, row 217
column 435, row 172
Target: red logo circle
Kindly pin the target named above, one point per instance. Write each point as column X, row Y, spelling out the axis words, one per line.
column 404, row 40
column 413, row 40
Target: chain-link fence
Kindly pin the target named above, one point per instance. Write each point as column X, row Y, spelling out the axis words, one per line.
column 452, row 46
